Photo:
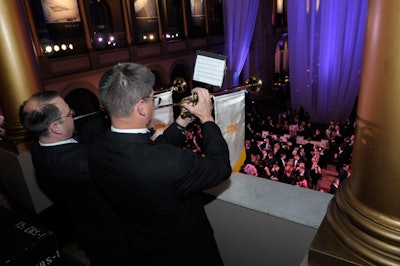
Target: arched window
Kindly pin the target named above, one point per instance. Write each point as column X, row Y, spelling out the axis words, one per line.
column 102, row 30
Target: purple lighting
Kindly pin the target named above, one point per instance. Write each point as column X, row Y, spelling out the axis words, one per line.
column 103, row 41
column 326, row 40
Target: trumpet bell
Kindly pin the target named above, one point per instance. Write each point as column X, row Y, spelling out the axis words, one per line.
column 253, row 84
column 179, row 85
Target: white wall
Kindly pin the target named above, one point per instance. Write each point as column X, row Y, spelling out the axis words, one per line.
column 262, row 222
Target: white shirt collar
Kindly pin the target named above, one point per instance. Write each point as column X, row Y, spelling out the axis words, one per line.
column 127, row 131
column 71, row 140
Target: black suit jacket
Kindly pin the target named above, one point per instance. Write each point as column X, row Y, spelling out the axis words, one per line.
column 156, row 187
column 62, row 173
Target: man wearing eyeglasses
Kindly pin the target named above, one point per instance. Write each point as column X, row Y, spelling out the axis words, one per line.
column 155, row 186
column 62, row 173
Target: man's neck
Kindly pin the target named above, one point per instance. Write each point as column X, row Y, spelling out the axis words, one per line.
column 127, row 123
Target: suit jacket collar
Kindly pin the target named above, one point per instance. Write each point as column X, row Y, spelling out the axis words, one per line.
column 129, row 131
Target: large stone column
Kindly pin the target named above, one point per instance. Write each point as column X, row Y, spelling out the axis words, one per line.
column 362, row 223
column 19, row 77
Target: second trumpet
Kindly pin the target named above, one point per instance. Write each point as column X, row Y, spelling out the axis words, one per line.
column 253, row 85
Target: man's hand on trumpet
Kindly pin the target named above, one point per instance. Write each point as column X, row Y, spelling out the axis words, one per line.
column 203, row 108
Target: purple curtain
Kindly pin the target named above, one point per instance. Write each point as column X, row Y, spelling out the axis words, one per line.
column 239, row 20
column 326, row 43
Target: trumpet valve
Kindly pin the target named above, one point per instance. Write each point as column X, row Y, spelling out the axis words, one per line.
column 188, row 99
column 193, row 98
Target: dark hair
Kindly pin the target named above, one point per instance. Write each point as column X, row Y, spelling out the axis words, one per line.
column 38, row 120
column 123, row 86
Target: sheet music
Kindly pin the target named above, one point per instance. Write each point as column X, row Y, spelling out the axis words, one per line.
column 209, row 68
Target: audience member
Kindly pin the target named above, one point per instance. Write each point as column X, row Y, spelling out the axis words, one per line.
column 288, row 176
column 276, row 172
column 296, row 160
column 334, row 186
column 315, row 173
column 342, row 156
column 324, row 156
column 270, row 160
column 302, row 176
column 330, row 129
column 344, row 172
column 250, row 169
column 317, row 135
column 282, row 160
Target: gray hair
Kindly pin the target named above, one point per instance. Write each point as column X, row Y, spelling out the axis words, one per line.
column 123, row 86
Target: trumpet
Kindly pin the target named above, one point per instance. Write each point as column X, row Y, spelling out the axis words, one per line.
column 179, row 85
column 253, row 84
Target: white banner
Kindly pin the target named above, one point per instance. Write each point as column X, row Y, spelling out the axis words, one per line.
column 229, row 116
column 164, row 116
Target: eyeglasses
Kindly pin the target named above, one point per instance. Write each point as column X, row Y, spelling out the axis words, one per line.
column 71, row 113
column 156, row 100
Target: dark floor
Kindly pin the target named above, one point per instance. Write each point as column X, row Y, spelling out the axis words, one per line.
column 328, row 176
column 57, row 247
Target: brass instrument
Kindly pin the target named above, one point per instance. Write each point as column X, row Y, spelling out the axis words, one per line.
column 179, row 85
column 253, row 84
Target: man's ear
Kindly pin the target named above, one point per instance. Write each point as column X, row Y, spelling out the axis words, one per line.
column 55, row 128
column 140, row 108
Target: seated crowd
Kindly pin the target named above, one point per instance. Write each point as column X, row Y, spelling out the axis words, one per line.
column 290, row 149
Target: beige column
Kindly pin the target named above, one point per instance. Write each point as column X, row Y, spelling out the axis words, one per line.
column 18, row 66
column 362, row 223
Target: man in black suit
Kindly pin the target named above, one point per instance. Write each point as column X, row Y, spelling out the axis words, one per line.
column 334, row 186
column 342, row 157
column 155, row 186
column 62, row 172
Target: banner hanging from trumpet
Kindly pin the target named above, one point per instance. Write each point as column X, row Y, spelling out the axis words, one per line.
column 230, row 117
column 164, row 116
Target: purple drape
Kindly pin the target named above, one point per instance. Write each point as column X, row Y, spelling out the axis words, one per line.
column 239, row 20
column 326, row 43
